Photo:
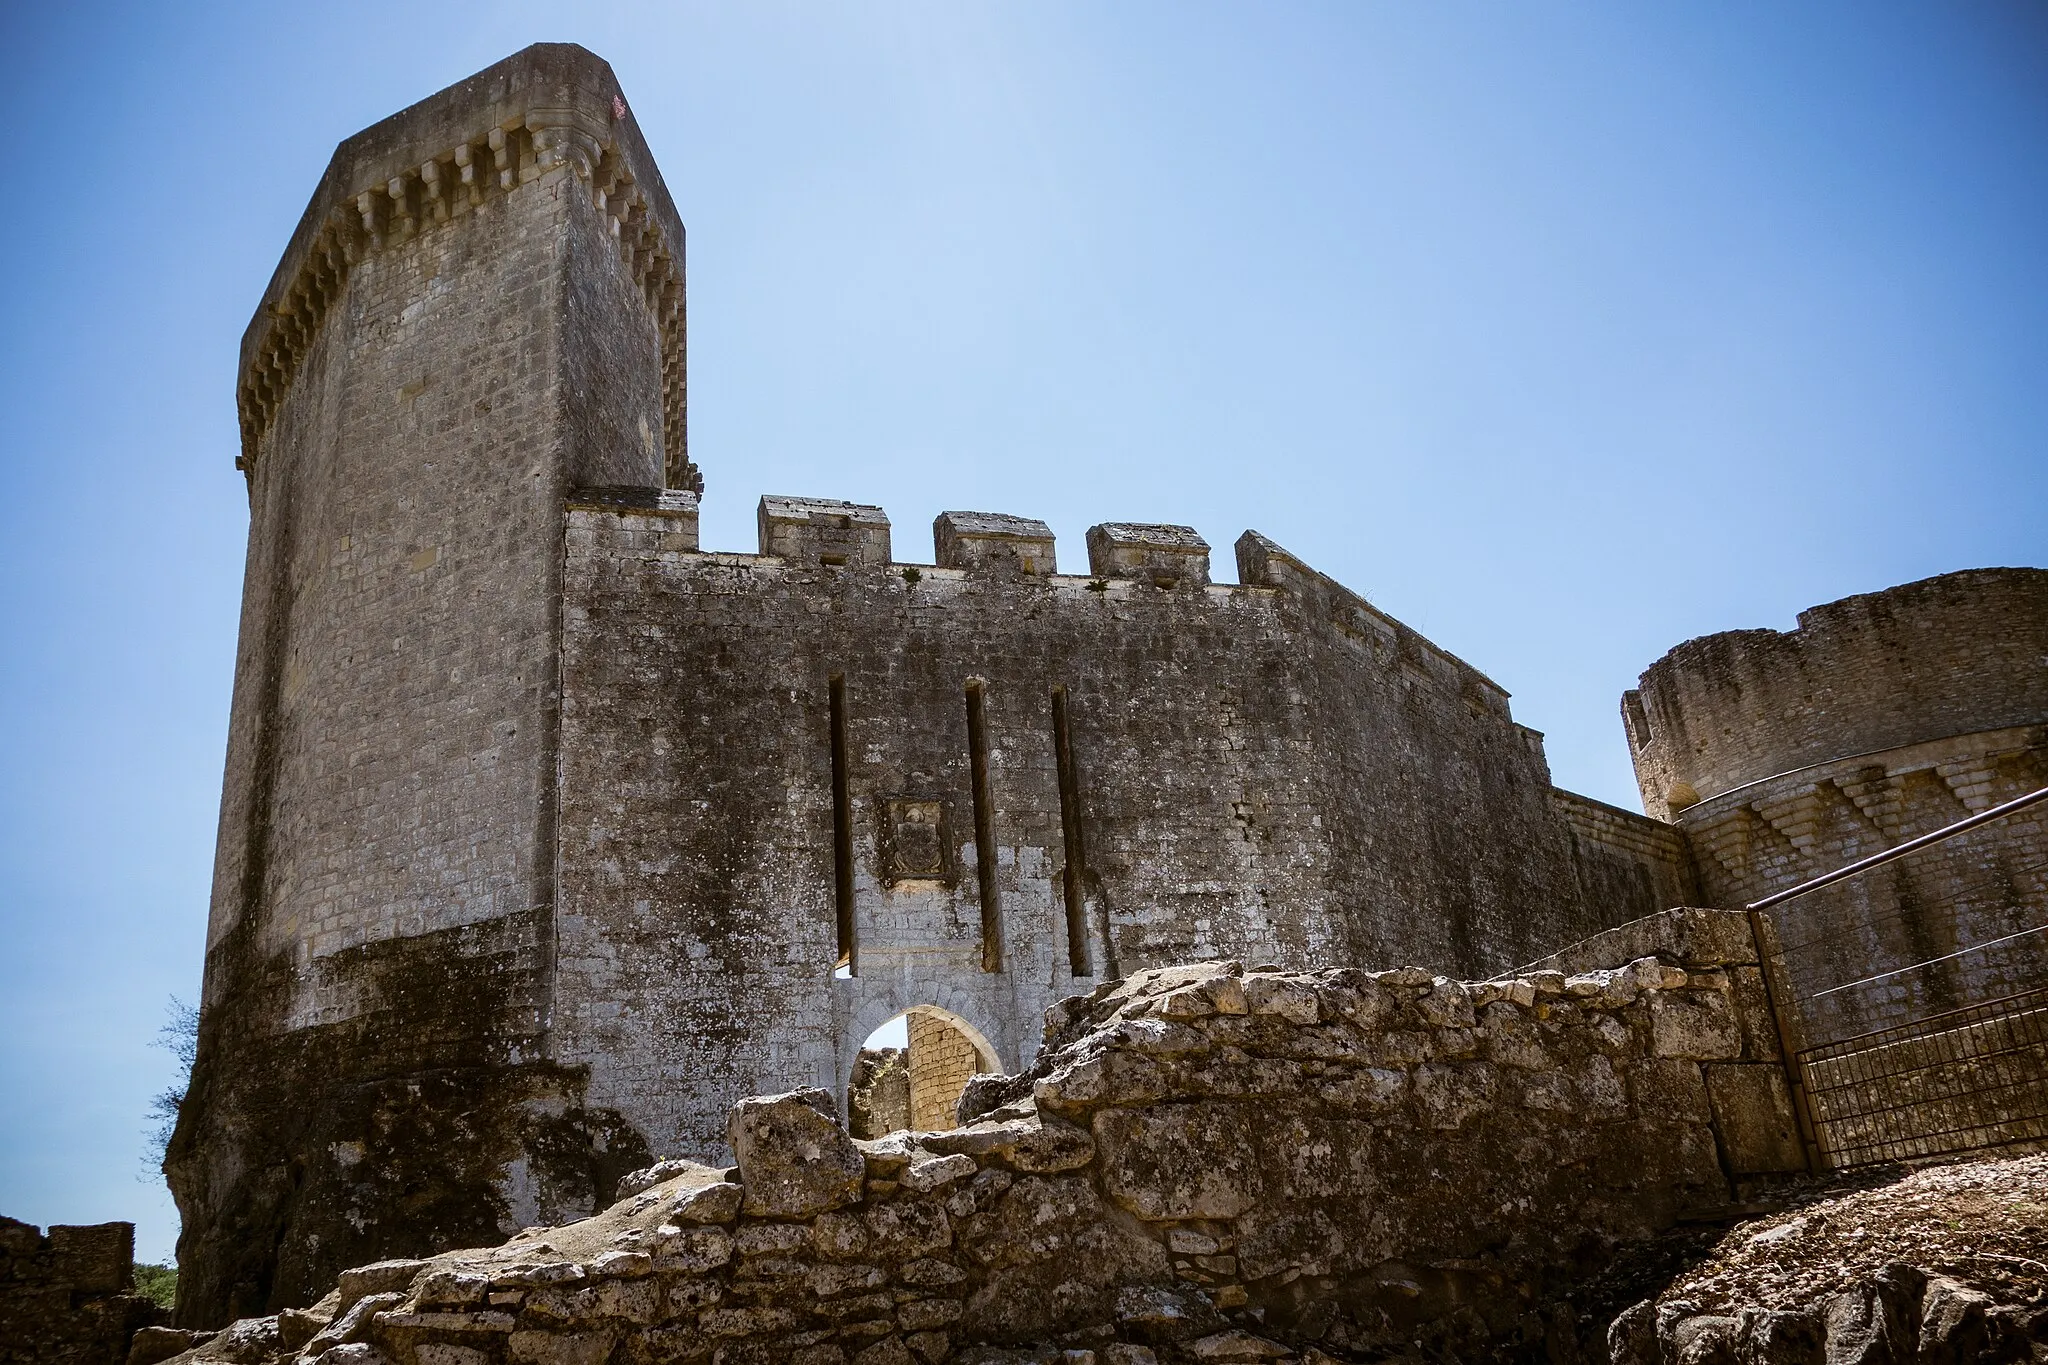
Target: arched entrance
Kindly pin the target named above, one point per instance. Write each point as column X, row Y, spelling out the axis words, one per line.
column 911, row 1071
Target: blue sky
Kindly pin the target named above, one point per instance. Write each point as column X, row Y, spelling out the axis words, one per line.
column 1563, row 332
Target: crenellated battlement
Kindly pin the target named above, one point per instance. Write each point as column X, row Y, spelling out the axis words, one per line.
column 1164, row 556
column 1128, row 562
column 1952, row 655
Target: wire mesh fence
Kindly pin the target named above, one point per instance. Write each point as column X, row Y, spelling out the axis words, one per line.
column 1965, row 1079
column 1913, row 992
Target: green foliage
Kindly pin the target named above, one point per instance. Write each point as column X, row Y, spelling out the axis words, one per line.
column 158, row 1284
column 911, row 574
column 180, row 1037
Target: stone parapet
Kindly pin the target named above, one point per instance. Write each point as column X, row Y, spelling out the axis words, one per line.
column 1368, row 631
column 69, row 1298
column 990, row 542
column 1625, row 859
column 1956, row 654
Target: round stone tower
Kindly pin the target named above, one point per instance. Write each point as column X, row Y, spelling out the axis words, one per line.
column 1883, row 717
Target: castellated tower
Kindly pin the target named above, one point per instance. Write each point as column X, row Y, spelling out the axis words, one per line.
column 481, row 309
column 546, row 834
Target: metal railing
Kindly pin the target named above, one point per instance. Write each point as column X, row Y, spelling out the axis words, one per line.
column 1953, row 1074
column 1971, row 1078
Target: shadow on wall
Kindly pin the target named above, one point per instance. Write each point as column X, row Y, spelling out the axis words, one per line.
column 916, row 1085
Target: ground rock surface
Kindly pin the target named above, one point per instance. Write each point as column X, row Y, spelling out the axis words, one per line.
column 1945, row 1264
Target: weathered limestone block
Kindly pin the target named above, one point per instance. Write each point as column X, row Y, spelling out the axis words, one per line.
column 1752, row 1110
column 992, row 543
column 814, row 531
column 714, row 1203
column 691, row 1250
column 1286, row 997
column 1446, row 1005
column 351, row 1353
column 380, row 1277
column 152, row 1345
column 1159, row 1316
column 935, row 1172
column 448, row 1287
column 1509, row 1037
column 1179, row 1161
column 553, row 1348
column 1216, row 995
column 905, row 1230
column 353, row 1322
column 1037, row 1144
column 1753, row 1013
column 656, row 1174
column 1450, row 1095
column 1699, row 1024
column 1165, row 556
column 795, row 1160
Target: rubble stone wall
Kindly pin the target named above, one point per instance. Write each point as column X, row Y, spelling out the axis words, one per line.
column 68, row 1298
column 878, row 1093
column 1206, row 1163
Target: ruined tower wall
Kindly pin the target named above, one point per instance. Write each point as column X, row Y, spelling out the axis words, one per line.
column 418, row 394
column 1268, row 770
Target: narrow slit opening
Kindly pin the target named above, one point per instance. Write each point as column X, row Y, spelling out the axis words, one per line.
column 984, row 828
column 1070, row 837
column 842, row 835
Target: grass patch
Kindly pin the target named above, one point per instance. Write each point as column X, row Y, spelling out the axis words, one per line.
column 158, row 1283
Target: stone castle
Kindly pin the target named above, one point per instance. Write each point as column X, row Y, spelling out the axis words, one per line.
column 547, row 834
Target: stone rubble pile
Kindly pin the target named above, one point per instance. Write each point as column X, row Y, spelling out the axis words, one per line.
column 1903, row 1314
column 69, row 1297
column 1205, row 1164
column 1943, row 1265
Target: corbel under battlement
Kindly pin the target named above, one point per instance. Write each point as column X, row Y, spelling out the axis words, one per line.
column 552, row 106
